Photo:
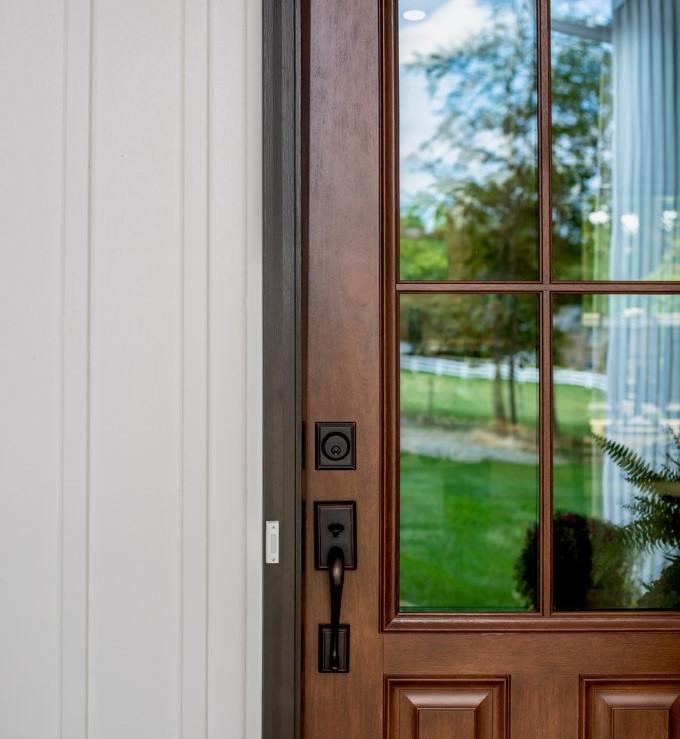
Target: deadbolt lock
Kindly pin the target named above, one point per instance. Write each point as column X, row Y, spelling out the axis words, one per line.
column 335, row 445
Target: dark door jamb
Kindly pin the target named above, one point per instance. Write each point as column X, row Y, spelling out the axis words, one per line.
column 282, row 151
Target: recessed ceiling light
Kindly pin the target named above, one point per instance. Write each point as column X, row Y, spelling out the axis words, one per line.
column 414, row 15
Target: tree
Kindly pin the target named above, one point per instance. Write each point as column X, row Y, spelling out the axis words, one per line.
column 486, row 185
column 466, row 325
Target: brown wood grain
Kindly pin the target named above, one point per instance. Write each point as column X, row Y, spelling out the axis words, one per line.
column 545, row 653
column 402, row 665
column 390, row 315
column 342, row 373
column 445, row 723
column 431, row 708
column 631, row 708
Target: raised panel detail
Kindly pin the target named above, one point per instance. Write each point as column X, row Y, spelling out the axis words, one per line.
column 631, row 708
column 451, row 707
column 650, row 723
column 434, row 723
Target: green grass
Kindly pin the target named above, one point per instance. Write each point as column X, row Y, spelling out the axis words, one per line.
column 462, row 529
column 455, row 401
column 463, row 526
column 577, row 487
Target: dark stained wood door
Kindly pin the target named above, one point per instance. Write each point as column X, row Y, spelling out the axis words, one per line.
column 422, row 674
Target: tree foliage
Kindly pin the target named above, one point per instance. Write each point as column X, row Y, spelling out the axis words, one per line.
column 483, row 155
column 483, row 160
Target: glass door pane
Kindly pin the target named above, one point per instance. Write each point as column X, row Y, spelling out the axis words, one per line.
column 470, row 514
column 468, row 140
column 616, row 387
column 616, row 150
column 469, row 452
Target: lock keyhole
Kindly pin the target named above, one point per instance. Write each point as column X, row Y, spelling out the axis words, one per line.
column 336, row 446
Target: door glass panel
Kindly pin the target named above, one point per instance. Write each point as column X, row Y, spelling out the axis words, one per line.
column 468, row 451
column 467, row 138
column 616, row 385
column 616, row 150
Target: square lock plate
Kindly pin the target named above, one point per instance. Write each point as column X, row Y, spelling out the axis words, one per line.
column 335, row 445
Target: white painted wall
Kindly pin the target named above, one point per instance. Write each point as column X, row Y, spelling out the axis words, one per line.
column 130, row 558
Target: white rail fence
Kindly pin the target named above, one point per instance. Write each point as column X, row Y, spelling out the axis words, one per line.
column 487, row 370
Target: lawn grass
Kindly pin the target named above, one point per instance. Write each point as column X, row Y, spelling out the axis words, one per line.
column 462, row 530
column 455, row 401
column 577, row 487
column 463, row 526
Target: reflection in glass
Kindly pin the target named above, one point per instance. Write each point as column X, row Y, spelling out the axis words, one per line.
column 616, row 150
column 616, row 451
column 467, row 140
column 469, row 459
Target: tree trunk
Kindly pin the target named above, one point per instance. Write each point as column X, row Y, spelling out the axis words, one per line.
column 512, row 386
column 512, row 389
column 500, row 418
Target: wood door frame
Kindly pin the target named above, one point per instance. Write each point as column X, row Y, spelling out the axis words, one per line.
column 283, row 159
column 282, row 463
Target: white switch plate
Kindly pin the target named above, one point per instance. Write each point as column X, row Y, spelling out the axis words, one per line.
column 271, row 545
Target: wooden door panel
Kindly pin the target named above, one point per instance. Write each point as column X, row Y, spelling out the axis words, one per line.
column 342, row 349
column 632, row 724
column 543, row 653
column 544, row 706
column 474, row 676
column 636, row 708
column 441, row 723
column 465, row 708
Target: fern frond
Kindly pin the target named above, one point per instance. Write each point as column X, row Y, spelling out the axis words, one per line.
column 639, row 472
column 675, row 438
column 656, row 510
column 632, row 464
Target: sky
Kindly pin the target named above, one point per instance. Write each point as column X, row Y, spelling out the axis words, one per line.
column 448, row 23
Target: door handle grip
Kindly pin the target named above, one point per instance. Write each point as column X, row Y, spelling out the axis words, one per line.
column 336, row 571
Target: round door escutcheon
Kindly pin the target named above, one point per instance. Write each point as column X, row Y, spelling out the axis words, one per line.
column 335, row 446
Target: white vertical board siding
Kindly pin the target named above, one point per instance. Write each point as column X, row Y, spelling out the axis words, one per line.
column 76, row 370
column 227, row 289
column 130, row 558
column 31, row 96
column 195, row 355
column 135, row 366
column 254, row 513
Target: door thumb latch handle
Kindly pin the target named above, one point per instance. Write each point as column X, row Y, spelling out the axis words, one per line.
column 335, row 550
column 336, row 571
